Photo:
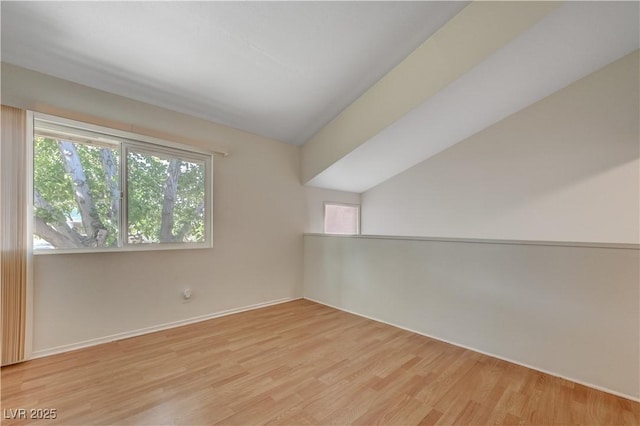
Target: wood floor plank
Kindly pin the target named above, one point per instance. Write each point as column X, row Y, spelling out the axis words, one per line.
column 297, row 363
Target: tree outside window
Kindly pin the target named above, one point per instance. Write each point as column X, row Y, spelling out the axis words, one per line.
column 94, row 193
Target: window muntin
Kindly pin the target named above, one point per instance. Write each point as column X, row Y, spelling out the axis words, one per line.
column 341, row 219
column 99, row 189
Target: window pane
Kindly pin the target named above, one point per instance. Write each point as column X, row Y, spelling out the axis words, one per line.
column 76, row 194
column 341, row 219
column 166, row 199
column 81, row 172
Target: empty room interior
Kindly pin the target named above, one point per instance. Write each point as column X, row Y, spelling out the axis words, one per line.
column 313, row 213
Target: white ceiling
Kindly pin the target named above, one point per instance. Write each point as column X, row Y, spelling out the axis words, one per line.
column 285, row 69
column 278, row 69
column 571, row 42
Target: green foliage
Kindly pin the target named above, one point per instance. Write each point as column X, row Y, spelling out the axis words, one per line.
column 190, row 201
column 147, row 177
column 55, row 185
column 51, row 180
column 96, row 179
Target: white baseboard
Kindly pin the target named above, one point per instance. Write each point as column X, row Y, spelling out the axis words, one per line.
column 133, row 333
column 152, row 329
column 551, row 373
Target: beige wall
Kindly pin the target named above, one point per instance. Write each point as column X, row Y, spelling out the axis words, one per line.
column 570, row 311
column 564, row 169
column 259, row 217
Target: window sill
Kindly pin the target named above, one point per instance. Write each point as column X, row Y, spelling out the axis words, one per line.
column 129, row 249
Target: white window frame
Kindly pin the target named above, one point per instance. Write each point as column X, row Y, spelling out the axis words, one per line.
column 139, row 143
column 324, row 216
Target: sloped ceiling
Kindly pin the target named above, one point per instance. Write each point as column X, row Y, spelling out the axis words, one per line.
column 368, row 89
column 567, row 44
column 278, row 69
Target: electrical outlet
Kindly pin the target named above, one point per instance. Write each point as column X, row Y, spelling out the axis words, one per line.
column 186, row 295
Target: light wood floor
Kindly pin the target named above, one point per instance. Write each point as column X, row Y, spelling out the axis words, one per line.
column 297, row 363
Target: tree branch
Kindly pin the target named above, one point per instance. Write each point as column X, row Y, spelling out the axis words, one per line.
column 93, row 226
column 186, row 227
column 59, row 234
column 110, row 171
column 169, row 202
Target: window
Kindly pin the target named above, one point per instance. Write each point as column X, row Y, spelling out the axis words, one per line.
column 341, row 219
column 100, row 189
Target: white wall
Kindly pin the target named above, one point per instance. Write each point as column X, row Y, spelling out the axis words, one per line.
column 259, row 217
column 316, row 198
column 563, row 169
column 460, row 44
column 570, row 311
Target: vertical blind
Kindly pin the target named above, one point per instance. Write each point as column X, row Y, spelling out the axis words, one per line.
column 13, row 230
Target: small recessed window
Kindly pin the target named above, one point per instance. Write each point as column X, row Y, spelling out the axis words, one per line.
column 341, row 219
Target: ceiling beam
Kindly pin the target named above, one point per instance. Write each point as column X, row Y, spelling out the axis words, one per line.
column 476, row 32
